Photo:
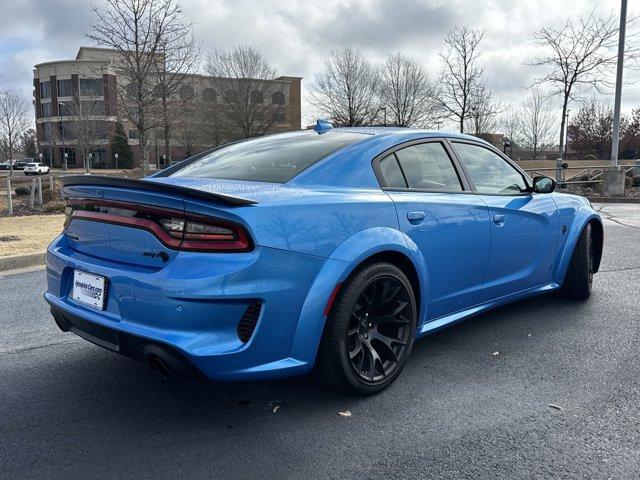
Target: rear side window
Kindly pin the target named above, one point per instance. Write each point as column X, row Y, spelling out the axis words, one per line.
column 489, row 171
column 391, row 172
column 427, row 166
column 276, row 158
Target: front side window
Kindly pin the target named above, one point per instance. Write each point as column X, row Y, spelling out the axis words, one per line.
column 427, row 166
column 489, row 171
column 268, row 159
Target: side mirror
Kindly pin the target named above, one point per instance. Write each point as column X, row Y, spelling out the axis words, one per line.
column 544, row 184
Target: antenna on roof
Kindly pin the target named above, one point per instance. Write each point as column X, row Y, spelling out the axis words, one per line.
column 322, row 126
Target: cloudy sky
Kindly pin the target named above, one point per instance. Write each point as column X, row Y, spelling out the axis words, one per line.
column 296, row 36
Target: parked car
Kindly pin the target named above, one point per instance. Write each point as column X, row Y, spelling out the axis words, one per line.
column 5, row 165
column 20, row 165
column 36, row 169
column 327, row 251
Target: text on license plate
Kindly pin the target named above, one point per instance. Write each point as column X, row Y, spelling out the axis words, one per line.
column 88, row 288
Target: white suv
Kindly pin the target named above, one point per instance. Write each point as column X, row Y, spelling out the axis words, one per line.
column 36, row 169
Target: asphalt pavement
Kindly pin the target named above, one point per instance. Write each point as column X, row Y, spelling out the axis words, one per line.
column 541, row 388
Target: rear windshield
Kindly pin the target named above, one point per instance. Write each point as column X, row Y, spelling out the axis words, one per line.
column 276, row 158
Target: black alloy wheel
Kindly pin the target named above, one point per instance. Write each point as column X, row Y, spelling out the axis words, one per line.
column 369, row 332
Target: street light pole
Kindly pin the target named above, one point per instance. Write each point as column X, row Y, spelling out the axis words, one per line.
column 566, row 134
column 618, row 95
column 613, row 179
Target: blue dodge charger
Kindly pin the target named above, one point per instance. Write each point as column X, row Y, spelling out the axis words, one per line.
column 326, row 251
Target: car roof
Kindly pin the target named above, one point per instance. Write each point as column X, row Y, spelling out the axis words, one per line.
column 407, row 132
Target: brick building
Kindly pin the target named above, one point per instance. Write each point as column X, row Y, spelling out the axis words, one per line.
column 71, row 94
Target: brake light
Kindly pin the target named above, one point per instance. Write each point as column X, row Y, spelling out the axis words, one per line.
column 175, row 229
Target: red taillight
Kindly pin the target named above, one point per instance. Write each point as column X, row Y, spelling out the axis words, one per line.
column 175, row 229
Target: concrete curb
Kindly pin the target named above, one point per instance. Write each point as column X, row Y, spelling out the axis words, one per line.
column 613, row 199
column 22, row 261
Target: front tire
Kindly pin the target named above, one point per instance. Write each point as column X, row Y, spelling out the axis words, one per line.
column 578, row 281
column 369, row 332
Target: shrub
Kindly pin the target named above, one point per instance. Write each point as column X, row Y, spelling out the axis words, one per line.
column 54, row 206
column 590, row 156
column 23, row 191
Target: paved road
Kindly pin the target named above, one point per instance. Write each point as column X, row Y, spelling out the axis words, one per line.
column 69, row 409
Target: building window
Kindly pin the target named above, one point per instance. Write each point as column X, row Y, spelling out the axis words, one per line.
column 277, row 98
column 45, row 90
column 257, row 97
column 91, row 87
column 131, row 90
column 209, row 94
column 92, row 107
column 231, row 96
column 133, row 134
column 46, row 110
column 278, row 117
column 64, row 88
column 186, row 92
column 47, row 131
column 65, row 109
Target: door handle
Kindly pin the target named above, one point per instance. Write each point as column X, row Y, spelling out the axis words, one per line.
column 499, row 219
column 416, row 217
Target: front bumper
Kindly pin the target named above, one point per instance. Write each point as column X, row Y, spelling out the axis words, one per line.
column 191, row 307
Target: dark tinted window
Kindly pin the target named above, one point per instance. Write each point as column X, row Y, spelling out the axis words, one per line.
column 91, row 87
column 391, row 172
column 489, row 171
column 64, row 88
column 268, row 159
column 427, row 166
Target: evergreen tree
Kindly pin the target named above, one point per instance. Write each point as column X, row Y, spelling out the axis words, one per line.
column 120, row 145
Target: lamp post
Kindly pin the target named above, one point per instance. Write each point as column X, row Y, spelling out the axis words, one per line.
column 384, row 109
column 613, row 179
column 566, row 133
column 64, row 148
column 65, row 164
column 40, row 157
column 115, row 155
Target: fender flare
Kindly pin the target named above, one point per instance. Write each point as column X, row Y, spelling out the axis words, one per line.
column 341, row 263
column 582, row 216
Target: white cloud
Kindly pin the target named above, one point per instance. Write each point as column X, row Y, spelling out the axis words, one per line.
column 297, row 36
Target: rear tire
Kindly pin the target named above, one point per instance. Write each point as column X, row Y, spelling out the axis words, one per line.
column 370, row 331
column 578, row 281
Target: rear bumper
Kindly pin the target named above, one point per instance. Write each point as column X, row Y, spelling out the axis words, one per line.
column 191, row 309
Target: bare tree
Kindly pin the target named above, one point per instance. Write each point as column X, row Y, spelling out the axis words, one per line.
column 84, row 127
column 346, row 89
column 174, row 75
column 461, row 75
column 511, row 125
column 139, row 31
column 537, row 122
column 579, row 55
column 405, row 90
column 252, row 98
column 483, row 111
column 15, row 120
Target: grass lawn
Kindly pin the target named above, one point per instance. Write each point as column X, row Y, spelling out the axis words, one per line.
column 28, row 234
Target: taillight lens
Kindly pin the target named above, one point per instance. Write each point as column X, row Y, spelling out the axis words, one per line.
column 178, row 230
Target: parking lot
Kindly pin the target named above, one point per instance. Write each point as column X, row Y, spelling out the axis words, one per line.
column 544, row 387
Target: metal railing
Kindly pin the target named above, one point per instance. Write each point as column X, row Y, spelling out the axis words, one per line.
column 577, row 175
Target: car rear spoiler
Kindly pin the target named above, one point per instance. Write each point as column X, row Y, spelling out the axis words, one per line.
column 102, row 181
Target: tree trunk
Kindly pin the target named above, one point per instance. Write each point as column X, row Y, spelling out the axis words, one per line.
column 562, row 126
column 167, row 132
